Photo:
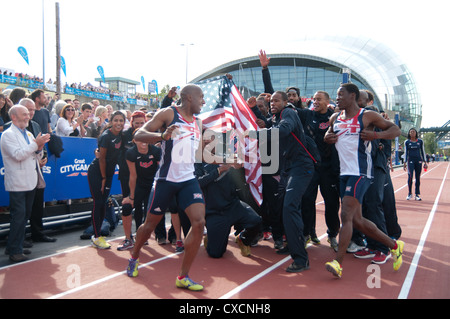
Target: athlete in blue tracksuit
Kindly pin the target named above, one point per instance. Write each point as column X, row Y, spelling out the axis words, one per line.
column 296, row 169
column 414, row 157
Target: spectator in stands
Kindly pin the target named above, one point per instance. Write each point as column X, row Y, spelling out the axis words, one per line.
column 41, row 115
column 56, row 112
column 17, row 94
column 2, row 106
column 76, row 105
column 110, row 109
column 88, row 117
column 21, row 154
column 95, row 128
column 95, row 103
column 68, row 124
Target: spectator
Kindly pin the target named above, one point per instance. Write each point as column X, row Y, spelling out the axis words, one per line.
column 6, row 107
column 41, row 115
column 21, row 154
column 17, row 94
column 87, row 116
column 37, row 213
column 56, row 113
column 95, row 128
column 68, row 124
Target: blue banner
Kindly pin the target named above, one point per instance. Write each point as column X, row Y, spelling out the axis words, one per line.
column 66, row 176
column 63, row 65
column 143, row 82
column 23, row 53
column 101, row 72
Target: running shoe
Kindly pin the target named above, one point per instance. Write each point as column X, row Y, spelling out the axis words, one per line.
column 409, row 197
column 333, row 243
column 132, row 269
column 334, row 267
column 245, row 250
column 188, row 283
column 397, row 254
column 354, row 247
column 365, row 253
column 100, row 242
column 278, row 244
column 297, row 268
column 315, row 240
column 307, row 240
column 179, row 246
column 125, row 245
column 418, row 197
column 267, row 235
column 380, row 258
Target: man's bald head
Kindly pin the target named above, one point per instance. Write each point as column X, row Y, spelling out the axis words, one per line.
column 19, row 116
column 192, row 96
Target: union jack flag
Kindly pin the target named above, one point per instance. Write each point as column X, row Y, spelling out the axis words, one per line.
column 225, row 110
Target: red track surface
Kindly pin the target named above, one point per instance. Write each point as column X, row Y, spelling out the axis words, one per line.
column 91, row 273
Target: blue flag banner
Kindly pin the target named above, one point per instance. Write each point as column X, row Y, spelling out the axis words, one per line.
column 156, row 86
column 143, row 82
column 63, row 65
column 101, row 72
column 24, row 54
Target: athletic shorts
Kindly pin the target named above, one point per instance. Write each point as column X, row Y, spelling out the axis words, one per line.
column 163, row 192
column 354, row 186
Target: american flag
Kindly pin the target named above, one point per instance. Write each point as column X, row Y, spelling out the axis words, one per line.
column 225, row 110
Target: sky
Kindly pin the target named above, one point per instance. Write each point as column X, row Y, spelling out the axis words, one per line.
column 137, row 38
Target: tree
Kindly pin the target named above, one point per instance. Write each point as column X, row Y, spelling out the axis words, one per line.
column 431, row 145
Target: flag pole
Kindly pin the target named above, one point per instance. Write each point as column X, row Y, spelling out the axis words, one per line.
column 58, row 52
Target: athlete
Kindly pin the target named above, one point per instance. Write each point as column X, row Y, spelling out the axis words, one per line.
column 101, row 172
column 175, row 177
column 351, row 130
column 415, row 156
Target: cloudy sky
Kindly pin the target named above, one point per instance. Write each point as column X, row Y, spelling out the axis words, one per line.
column 137, row 38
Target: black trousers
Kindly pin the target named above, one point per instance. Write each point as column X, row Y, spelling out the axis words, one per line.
column 414, row 167
column 390, row 210
column 297, row 181
column 100, row 199
column 37, row 213
column 329, row 188
column 218, row 225
column 372, row 208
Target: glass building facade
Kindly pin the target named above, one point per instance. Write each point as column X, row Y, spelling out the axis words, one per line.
column 321, row 65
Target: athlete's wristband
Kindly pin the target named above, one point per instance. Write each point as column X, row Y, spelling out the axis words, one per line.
column 162, row 136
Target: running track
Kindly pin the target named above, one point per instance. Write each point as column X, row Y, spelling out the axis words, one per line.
column 88, row 273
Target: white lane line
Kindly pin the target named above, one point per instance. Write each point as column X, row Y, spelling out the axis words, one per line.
column 260, row 275
column 415, row 262
column 99, row 281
